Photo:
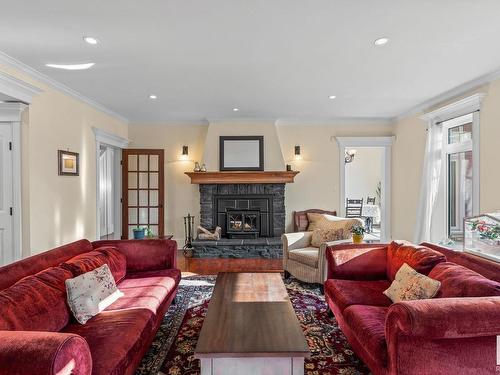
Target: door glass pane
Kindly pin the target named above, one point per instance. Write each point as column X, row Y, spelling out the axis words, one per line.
column 131, row 231
column 143, row 197
column 143, row 162
column 132, row 197
column 132, row 162
column 154, row 229
column 153, row 162
column 459, row 192
column 153, row 180
column 132, row 215
column 153, row 215
column 460, row 133
column 153, row 197
column 143, row 215
column 132, row 180
column 143, row 180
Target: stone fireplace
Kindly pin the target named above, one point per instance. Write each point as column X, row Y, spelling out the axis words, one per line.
column 250, row 209
column 244, row 210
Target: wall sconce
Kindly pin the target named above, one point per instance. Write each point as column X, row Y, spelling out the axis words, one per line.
column 298, row 156
column 185, row 153
column 349, row 156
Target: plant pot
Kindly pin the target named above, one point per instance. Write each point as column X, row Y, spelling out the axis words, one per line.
column 357, row 238
column 139, row 234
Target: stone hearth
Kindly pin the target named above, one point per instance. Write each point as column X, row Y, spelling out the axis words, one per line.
column 217, row 200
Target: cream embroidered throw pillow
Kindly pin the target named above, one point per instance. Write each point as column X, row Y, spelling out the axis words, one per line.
column 91, row 293
column 410, row 285
column 320, row 236
column 323, row 221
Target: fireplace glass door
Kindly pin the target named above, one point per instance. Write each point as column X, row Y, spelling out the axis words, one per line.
column 243, row 222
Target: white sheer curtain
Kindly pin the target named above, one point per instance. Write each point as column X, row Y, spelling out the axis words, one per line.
column 431, row 183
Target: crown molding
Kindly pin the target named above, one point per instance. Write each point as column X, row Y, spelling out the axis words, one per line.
column 110, row 139
column 202, row 122
column 336, row 121
column 450, row 94
column 364, row 141
column 35, row 74
column 17, row 89
column 466, row 105
column 11, row 112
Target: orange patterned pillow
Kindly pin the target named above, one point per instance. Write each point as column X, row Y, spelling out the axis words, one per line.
column 410, row 285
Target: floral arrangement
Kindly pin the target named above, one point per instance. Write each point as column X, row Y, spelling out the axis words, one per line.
column 485, row 230
column 358, row 230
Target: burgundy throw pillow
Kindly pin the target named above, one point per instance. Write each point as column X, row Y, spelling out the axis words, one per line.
column 420, row 258
column 87, row 262
column 36, row 302
column 459, row 281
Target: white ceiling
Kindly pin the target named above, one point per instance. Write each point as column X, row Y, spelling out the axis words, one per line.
column 270, row 58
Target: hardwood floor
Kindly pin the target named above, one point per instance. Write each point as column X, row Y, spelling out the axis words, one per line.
column 211, row 266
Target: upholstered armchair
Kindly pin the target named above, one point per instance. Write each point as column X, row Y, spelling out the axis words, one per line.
column 300, row 259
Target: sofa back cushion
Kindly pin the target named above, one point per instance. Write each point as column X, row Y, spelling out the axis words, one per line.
column 458, row 281
column 12, row 273
column 36, row 303
column 420, row 258
column 87, row 262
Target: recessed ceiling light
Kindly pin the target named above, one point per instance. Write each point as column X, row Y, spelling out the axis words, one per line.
column 153, row 97
column 381, row 41
column 236, row 109
column 71, row 66
column 90, row 40
column 332, row 97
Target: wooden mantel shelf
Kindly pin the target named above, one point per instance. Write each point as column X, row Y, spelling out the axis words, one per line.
column 243, row 177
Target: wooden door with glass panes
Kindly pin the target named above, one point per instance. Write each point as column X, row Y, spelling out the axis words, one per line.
column 143, row 192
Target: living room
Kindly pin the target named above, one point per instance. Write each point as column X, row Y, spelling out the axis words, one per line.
column 249, row 188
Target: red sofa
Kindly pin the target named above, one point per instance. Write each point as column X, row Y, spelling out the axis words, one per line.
column 38, row 334
column 452, row 333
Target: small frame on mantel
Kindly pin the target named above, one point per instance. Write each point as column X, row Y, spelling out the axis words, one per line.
column 68, row 163
column 241, row 153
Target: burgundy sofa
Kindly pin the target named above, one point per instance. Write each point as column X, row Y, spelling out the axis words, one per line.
column 452, row 333
column 38, row 334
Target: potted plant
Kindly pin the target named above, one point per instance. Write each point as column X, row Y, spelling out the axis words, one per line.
column 139, row 233
column 358, row 232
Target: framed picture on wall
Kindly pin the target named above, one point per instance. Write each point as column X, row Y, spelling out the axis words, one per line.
column 241, row 153
column 68, row 163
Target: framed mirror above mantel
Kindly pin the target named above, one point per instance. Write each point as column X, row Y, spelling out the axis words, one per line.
column 241, row 153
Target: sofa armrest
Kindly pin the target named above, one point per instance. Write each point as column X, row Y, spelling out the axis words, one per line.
column 50, row 353
column 445, row 318
column 145, row 255
column 356, row 261
column 297, row 240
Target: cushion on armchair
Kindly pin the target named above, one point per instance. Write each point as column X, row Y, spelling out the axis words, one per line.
column 420, row 258
column 307, row 256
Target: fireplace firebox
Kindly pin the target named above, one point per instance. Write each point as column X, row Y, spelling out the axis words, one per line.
column 244, row 211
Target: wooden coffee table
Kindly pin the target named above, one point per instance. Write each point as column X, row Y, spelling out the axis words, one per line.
column 251, row 328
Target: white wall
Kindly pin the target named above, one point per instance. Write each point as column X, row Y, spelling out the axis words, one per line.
column 364, row 173
column 58, row 209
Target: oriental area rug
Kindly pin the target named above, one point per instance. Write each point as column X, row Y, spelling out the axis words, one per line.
column 172, row 350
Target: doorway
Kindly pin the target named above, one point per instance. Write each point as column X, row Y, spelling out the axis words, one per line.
column 109, row 192
column 365, row 183
column 143, row 192
column 109, row 184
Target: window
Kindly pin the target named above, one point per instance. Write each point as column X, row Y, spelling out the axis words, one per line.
column 460, row 172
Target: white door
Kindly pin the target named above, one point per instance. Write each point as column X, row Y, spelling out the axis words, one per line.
column 7, row 252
